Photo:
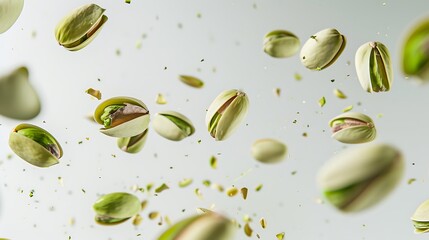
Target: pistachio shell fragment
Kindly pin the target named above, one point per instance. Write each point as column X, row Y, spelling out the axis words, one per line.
column 420, row 218
column 268, row 150
column 114, row 208
column 93, row 92
column 191, row 81
column 359, row 178
column 352, row 127
column 9, row 13
column 173, row 125
column 133, row 144
column 373, row 67
column 281, row 44
column 76, row 30
column 35, row 145
column 322, row 49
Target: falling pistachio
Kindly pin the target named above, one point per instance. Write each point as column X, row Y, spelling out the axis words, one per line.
column 322, row 101
column 420, row 218
column 281, row 44
column 94, row 93
column 9, row 13
column 191, row 81
column 268, row 150
column 339, row 94
column 173, row 125
column 352, row 127
column 115, row 208
column 133, row 144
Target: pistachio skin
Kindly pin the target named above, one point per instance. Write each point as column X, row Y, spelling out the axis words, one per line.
column 116, row 207
column 269, row 150
column 281, row 44
column 9, row 13
column 420, row 218
column 353, row 127
column 173, row 125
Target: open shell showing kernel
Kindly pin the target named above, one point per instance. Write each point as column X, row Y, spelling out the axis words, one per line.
column 353, row 127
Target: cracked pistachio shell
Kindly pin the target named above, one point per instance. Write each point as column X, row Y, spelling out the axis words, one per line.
column 359, row 178
column 26, row 141
column 281, row 44
column 353, row 127
column 18, row 99
column 9, row 13
column 420, row 218
column 373, row 67
column 80, row 27
column 114, row 208
column 128, row 128
column 322, row 49
column 207, row 226
column 225, row 113
column 172, row 125
column 269, row 150
column 133, row 144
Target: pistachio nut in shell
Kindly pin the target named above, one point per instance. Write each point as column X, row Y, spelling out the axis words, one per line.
column 35, row 145
column 191, row 81
column 281, row 44
column 172, row 125
column 114, row 208
column 322, row 49
column 269, row 150
column 358, row 178
column 225, row 113
column 133, row 144
column 353, row 127
column 18, row 99
column 122, row 117
column 420, row 218
column 207, row 226
column 374, row 67
column 9, row 13
column 80, row 27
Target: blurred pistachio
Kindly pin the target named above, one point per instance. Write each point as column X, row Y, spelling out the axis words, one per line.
column 420, row 218
column 322, row 49
column 80, row 27
column 281, row 44
column 172, row 125
column 339, row 94
column 35, row 145
column 269, row 150
column 9, row 13
column 114, row 208
column 191, row 81
column 132, row 144
column 352, row 127
column 93, row 92
column 373, row 67
column 359, row 178
column 225, row 113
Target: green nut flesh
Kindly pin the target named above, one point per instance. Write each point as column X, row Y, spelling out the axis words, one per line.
column 114, row 208
column 269, row 150
column 352, row 127
column 9, row 13
column 420, row 218
column 191, row 81
column 35, row 145
column 173, row 125
column 281, row 44
column 133, row 144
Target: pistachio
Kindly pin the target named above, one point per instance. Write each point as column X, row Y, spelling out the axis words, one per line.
column 132, row 144
column 281, row 44
column 420, row 218
column 225, row 113
column 9, row 13
column 352, row 127
column 373, row 67
column 172, row 125
column 191, row 81
column 114, row 208
column 268, row 150
column 322, row 49
column 35, row 145
column 76, row 30
column 359, row 178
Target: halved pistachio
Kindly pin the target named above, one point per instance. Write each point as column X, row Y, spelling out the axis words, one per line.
column 268, row 150
column 322, row 49
column 9, row 13
column 18, row 99
column 373, row 67
column 172, row 125
column 420, row 218
column 352, row 127
column 359, row 178
column 80, row 27
column 281, row 44
column 132, row 144
column 207, row 226
column 191, row 81
column 122, row 117
column 225, row 113
column 35, row 145
column 114, row 208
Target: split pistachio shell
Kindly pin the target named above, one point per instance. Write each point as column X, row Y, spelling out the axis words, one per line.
column 420, row 218
column 207, row 226
column 281, row 44
column 352, row 127
column 191, row 81
column 114, row 208
column 35, row 145
column 322, row 49
column 359, row 178
column 373, row 67
column 225, row 113
column 9, row 13
column 18, row 99
column 80, row 27
column 173, row 125
column 133, row 144
column 269, row 150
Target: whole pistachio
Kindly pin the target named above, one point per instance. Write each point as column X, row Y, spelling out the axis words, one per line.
column 9, row 13
column 132, row 144
column 281, row 44
column 352, row 127
column 114, row 208
column 269, row 150
column 322, row 49
column 173, row 125
column 359, row 178
column 373, row 67
column 80, row 27
column 420, row 218
column 35, row 145
column 191, row 81
column 225, row 113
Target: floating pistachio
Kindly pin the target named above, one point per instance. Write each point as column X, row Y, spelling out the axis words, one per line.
column 322, row 49
column 268, row 150
column 18, row 99
column 132, row 144
column 225, row 113
column 191, row 81
column 359, row 178
column 76, row 30
column 9, row 13
column 172, row 125
column 114, row 208
column 373, row 67
column 281, row 44
column 352, row 127
column 93, row 92
column 420, row 218
column 35, row 145
column 339, row 94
